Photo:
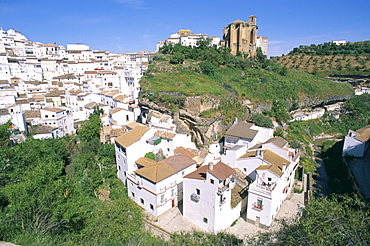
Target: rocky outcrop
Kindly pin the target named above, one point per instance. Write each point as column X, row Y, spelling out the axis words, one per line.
column 203, row 130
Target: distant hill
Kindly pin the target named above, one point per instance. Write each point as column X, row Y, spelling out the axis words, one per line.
column 328, row 58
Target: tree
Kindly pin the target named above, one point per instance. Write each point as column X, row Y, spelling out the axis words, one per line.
column 5, row 134
column 90, row 129
column 262, row 120
column 338, row 220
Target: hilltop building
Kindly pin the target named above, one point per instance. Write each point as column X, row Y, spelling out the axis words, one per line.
column 242, row 37
column 188, row 38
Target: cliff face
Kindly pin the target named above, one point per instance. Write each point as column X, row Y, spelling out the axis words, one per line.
column 204, row 130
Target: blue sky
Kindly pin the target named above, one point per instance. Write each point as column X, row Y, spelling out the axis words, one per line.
column 134, row 25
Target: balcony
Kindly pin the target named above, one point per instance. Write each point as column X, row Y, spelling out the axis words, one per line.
column 223, row 188
column 257, row 206
column 195, row 197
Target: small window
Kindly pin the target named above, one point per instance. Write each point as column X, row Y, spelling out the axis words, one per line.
column 205, row 220
column 142, row 201
column 198, row 191
column 245, row 170
column 133, row 194
column 46, row 116
column 168, row 149
column 211, row 181
column 151, row 206
column 268, row 179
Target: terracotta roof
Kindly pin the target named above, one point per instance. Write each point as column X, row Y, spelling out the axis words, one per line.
column 65, row 76
column 364, row 134
column 113, row 111
column 157, row 171
column 241, row 130
column 182, row 150
column 90, row 72
column 132, row 125
column 120, row 98
column 146, row 162
column 220, row 171
column 132, row 136
column 56, row 110
column 163, row 134
column 179, row 162
column 278, row 141
column 112, row 93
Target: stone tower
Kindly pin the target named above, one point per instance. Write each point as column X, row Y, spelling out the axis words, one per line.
column 241, row 36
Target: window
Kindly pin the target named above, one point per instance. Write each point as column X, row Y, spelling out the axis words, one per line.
column 198, row 191
column 245, row 170
column 127, row 118
column 211, row 181
column 132, row 194
column 268, row 179
column 259, row 203
column 205, row 220
column 142, row 201
column 46, row 116
column 162, row 198
column 151, row 206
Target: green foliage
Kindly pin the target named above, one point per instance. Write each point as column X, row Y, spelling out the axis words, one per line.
column 90, row 129
column 279, row 110
column 150, row 155
column 262, row 120
column 333, row 49
column 5, row 134
column 196, row 238
column 338, row 220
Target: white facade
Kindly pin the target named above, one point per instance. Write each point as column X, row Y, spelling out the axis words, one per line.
column 356, row 142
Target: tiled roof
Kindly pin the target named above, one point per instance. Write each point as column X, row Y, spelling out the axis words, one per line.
column 241, row 130
column 56, row 110
column 278, row 141
column 182, row 150
column 364, row 134
column 157, row 171
column 120, row 98
column 132, row 136
column 220, row 171
column 32, row 114
column 163, row 134
column 113, row 111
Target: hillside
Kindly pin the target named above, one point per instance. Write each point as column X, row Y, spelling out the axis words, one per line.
column 328, row 59
column 185, row 71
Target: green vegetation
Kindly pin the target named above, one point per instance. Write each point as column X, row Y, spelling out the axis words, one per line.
column 213, row 71
column 300, row 134
column 262, row 120
column 61, row 192
column 328, row 59
column 338, row 220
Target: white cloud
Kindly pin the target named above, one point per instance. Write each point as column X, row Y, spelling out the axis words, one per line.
column 135, row 4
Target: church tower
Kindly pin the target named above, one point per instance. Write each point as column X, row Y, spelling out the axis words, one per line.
column 241, row 37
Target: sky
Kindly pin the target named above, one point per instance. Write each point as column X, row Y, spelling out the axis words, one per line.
column 125, row 26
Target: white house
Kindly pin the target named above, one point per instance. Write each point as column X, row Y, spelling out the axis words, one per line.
column 156, row 186
column 207, row 197
column 356, row 142
column 240, row 137
column 59, row 118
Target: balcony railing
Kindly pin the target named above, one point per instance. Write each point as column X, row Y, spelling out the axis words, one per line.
column 258, row 207
column 195, row 197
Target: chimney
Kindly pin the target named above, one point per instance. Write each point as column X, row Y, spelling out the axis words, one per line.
column 210, row 166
